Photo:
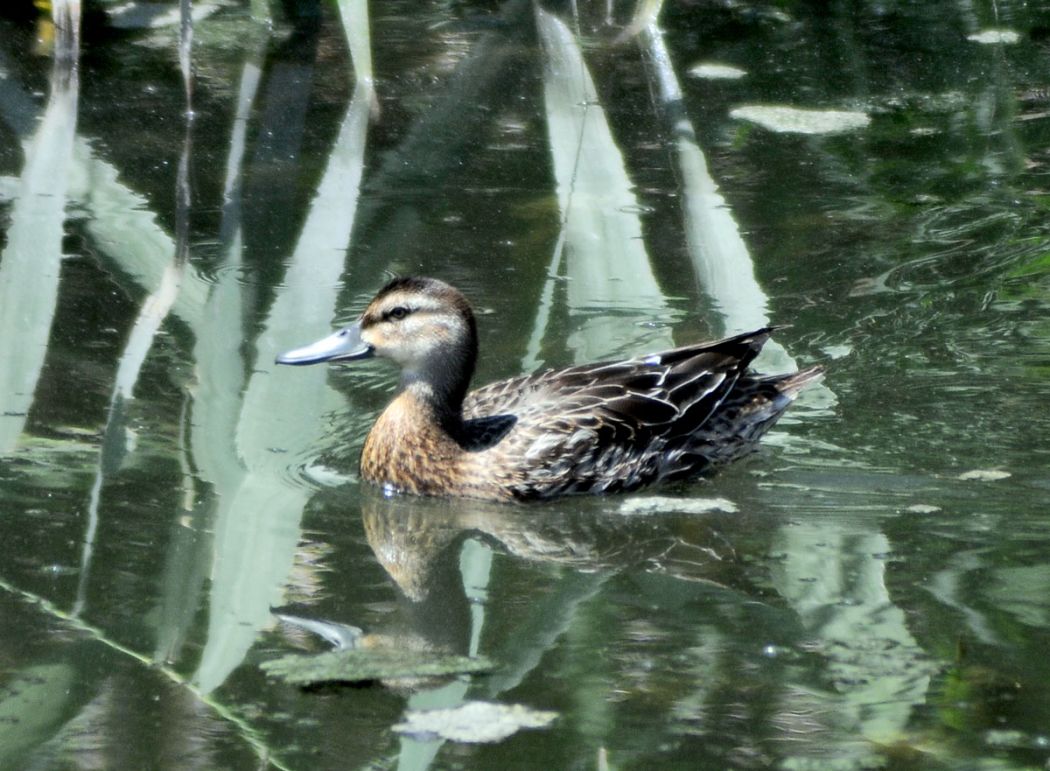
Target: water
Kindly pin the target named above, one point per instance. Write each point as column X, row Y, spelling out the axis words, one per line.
column 869, row 590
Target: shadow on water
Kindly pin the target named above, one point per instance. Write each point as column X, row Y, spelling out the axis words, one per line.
column 187, row 190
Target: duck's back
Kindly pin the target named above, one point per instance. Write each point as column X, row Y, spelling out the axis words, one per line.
column 616, row 426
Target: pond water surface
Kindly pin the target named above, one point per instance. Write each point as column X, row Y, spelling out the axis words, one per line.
column 870, row 589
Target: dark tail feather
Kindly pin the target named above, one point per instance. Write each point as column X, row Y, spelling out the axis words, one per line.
column 791, row 385
column 748, row 412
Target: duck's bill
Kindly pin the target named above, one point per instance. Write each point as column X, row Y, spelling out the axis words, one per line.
column 344, row 345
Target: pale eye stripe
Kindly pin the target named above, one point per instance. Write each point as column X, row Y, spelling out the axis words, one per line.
column 425, row 304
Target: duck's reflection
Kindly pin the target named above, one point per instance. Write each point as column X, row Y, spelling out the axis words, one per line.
column 425, row 545
column 808, row 625
column 419, row 548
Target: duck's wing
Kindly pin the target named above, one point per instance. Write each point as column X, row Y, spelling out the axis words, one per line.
column 614, row 425
column 656, row 388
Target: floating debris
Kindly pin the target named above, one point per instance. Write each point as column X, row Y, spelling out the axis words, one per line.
column 342, row 637
column 837, row 350
column 356, row 666
column 326, row 476
column 474, row 722
column 984, row 475
column 656, row 504
column 1039, row 94
column 795, row 120
column 716, row 71
column 990, row 36
column 1012, row 739
column 135, row 15
column 922, row 508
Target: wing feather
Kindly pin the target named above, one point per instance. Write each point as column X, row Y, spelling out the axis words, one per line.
column 615, row 425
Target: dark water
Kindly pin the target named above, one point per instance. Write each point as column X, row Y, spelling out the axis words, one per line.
column 872, row 589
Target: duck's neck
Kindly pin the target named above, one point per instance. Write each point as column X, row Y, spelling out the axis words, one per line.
column 440, row 385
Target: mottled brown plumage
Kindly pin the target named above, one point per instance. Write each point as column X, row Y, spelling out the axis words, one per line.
column 611, row 426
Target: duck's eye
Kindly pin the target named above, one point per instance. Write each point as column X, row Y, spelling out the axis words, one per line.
column 397, row 313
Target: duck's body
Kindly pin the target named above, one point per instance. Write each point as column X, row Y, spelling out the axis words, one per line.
column 612, row 426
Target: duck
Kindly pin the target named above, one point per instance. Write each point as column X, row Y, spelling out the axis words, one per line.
column 605, row 427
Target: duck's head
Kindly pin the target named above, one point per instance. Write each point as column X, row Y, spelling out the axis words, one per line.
column 423, row 324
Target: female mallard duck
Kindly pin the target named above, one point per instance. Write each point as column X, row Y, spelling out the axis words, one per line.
column 604, row 427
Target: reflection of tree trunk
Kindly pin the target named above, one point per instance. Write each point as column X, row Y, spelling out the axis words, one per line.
column 187, row 563
column 614, row 301
column 723, row 264
column 444, row 136
column 213, row 403
column 31, row 260
column 835, row 581
column 257, row 522
column 155, row 309
column 95, row 736
column 282, row 113
column 66, row 15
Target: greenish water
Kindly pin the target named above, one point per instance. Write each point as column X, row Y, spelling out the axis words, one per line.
column 871, row 589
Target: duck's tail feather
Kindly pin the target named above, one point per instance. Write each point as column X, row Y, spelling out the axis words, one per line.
column 792, row 385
